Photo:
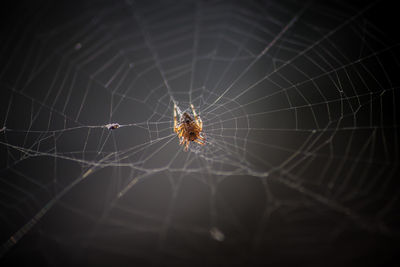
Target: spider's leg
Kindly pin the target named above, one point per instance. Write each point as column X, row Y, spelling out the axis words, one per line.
column 175, row 120
column 200, row 123
column 199, row 142
column 194, row 112
column 197, row 118
column 187, row 145
column 180, row 136
column 179, row 131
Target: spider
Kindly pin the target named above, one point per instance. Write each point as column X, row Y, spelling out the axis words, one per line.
column 188, row 129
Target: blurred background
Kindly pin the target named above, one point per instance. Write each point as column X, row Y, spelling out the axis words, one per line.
column 299, row 102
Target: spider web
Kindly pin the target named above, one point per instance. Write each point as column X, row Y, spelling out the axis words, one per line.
column 299, row 110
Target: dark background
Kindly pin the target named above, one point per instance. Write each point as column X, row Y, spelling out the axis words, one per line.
column 300, row 169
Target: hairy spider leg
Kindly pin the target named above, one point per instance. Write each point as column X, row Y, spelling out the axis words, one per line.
column 179, row 130
column 197, row 118
column 180, row 137
column 200, row 125
column 200, row 142
column 187, row 145
column 175, row 120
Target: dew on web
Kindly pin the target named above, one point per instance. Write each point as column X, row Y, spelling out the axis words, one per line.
column 217, row 234
column 78, row 46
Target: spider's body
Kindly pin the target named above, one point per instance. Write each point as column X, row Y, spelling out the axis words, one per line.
column 188, row 129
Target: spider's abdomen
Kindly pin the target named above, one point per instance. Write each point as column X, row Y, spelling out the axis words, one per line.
column 191, row 131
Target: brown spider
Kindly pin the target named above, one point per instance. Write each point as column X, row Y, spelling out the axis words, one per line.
column 188, row 129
